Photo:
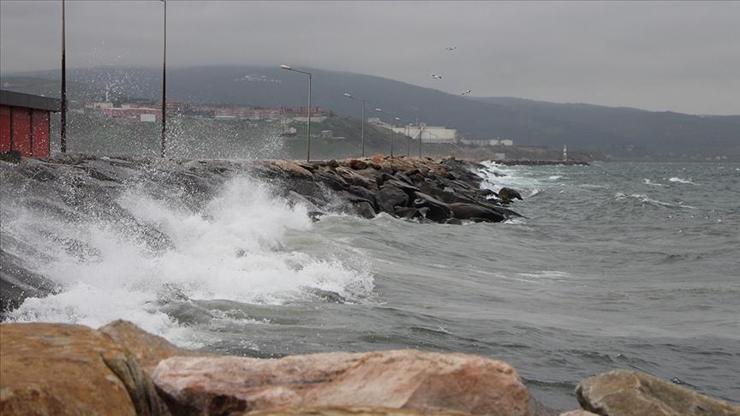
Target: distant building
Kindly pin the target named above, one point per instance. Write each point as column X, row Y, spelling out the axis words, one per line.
column 429, row 134
column 25, row 124
column 133, row 113
column 487, row 142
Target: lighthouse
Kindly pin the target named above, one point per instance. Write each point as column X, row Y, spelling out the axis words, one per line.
column 565, row 153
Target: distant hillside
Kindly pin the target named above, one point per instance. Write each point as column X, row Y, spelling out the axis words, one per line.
column 617, row 131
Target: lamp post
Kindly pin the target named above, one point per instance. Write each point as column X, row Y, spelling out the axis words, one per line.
column 308, row 129
column 392, row 138
column 163, row 138
column 63, row 93
column 362, row 131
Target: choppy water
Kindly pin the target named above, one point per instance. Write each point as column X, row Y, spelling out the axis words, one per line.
column 617, row 265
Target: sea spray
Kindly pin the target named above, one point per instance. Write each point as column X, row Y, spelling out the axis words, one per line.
column 232, row 249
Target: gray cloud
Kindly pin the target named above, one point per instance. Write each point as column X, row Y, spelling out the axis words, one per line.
column 663, row 56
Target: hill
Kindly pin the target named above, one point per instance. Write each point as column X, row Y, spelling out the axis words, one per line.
column 621, row 132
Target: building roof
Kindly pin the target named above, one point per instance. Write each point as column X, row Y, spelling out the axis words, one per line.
column 19, row 99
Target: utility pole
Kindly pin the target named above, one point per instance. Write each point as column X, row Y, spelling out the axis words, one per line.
column 63, row 110
column 163, row 139
column 308, row 128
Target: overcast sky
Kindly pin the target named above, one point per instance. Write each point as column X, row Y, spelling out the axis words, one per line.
column 661, row 56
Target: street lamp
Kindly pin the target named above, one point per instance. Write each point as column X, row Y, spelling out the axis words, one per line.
column 380, row 110
column 308, row 129
column 63, row 109
column 350, row 96
column 163, row 139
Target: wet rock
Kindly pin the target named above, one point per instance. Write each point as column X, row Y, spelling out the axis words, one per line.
column 437, row 210
column 332, row 180
column 409, row 189
column 357, row 164
column 404, row 379
column 389, row 197
column 60, row 369
column 363, row 193
column 292, row 169
column 507, row 195
column 18, row 283
column 148, row 349
column 632, row 393
column 407, row 212
column 364, row 209
column 348, row 411
column 468, row 211
column 354, row 178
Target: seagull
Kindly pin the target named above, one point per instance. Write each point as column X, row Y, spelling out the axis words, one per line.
column 466, row 92
column 451, row 48
column 436, row 76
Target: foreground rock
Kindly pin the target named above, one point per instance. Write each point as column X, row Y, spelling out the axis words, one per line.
column 148, row 349
column 57, row 369
column 404, row 379
column 631, row 393
column 348, row 411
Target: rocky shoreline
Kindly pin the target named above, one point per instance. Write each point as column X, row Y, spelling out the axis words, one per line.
column 424, row 190
column 119, row 369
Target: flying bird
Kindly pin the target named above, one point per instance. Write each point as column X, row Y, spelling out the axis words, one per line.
column 436, row 76
column 451, row 48
column 466, row 92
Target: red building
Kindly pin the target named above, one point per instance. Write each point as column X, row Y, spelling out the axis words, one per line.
column 25, row 123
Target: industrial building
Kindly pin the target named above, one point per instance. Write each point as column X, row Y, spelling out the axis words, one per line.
column 25, row 123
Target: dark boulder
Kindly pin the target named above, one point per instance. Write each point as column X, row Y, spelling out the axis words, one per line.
column 437, row 210
column 357, row 164
column 332, row 180
column 18, row 283
column 407, row 212
column 364, row 209
column 362, row 193
column 389, row 197
column 465, row 211
column 507, row 195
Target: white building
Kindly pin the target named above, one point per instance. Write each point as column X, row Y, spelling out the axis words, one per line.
column 488, row 142
column 429, row 134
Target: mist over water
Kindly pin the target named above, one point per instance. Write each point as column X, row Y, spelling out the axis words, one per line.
column 616, row 265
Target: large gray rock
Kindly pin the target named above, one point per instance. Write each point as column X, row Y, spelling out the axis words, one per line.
column 469, row 211
column 632, row 393
column 436, row 209
column 388, row 197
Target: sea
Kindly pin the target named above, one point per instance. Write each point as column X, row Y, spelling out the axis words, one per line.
column 614, row 265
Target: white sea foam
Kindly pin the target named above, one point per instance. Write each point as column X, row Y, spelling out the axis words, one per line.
column 651, row 183
column 497, row 176
column 680, row 180
column 647, row 200
column 234, row 250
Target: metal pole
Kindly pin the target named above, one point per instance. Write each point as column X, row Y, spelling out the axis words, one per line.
column 308, row 130
column 363, row 128
column 163, row 140
column 392, row 140
column 63, row 110
column 408, row 142
column 420, row 132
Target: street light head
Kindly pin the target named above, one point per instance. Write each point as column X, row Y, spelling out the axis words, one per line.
column 348, row 95
column 379, row 109
column 286, row 67
column 398, row 119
